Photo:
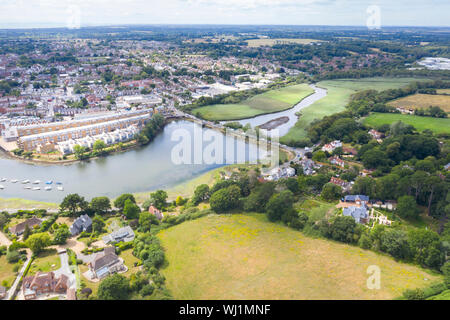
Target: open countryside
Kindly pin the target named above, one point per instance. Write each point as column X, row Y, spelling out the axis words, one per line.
column 247, row 257
column 437, row 125
column 268, row 102
column 254, row 43
column 339, row 92
column 422, row 101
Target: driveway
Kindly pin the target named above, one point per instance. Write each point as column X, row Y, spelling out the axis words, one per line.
column 4, row 241
column 65, row 269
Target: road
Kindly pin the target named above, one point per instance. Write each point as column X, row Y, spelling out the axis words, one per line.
column 13, row 288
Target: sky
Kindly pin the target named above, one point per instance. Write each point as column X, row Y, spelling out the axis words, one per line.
column 75, row 13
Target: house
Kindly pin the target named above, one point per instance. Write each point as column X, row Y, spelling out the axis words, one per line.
column 337, row 161
column 124, row 234
column 332, row 145
column 19, row 229
column 375, row 134
column 360, row 214
column 350, row 151
column 43, row 283
column 2, row 292
column 81, row 224
column 106, row 263
column 357, row 199
column 346, row 186
column 158, row 214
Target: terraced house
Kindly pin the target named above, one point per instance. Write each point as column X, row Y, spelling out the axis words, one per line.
column 45, row 142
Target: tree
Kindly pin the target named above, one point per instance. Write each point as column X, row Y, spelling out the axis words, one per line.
column 259, row 197
column 280, row 204
column 395, row 242
column 225, row 199
column 146, row 219
column 131, row 210
column 344, row 229
column 100, row 205
column 61, row 235
column 425, row 247
column 158, row 199
column 201, row 193
column 115, row 287
column 27, row 232
column 97, row 224
column 180, row 201
column 119, row 203
column 99, row 146
column 38, row 241
column 446, row 271
column 73, row 203
column 331, row 192
column 79, row 151
column 407, row 207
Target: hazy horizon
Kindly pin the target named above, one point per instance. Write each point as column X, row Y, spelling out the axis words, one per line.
column 24, row 14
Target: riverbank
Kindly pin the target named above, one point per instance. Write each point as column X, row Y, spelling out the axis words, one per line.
column 270, row 102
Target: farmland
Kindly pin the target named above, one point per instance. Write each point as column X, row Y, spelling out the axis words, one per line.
column 421, row 101
column 268, row 102
column 255, row 43
column 437, row 125
column 339, row 92
column 246, row 257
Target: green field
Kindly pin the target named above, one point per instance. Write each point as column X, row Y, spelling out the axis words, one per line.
column 267, row 102
column 437, row 125
column 339, row 92
column 15, row 203
column 246, row 257
column 7, row 273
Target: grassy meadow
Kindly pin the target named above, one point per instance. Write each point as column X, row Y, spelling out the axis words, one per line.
column 246, row 257
column 437, row 125
column 422, row 101
column 339, row 92
column 267, row 102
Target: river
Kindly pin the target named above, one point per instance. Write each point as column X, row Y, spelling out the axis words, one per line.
column 290, row 113
column 140, row 170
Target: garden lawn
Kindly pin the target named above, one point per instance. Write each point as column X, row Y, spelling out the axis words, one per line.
column 246, row 257
column 437, row 125
column 267, row 102
column 46, row 261
column 6, row 271
column 339, row 92
column 129, row 261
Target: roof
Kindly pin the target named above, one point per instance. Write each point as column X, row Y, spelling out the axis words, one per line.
column 103, row 260
column 123, row 234
column 356, row 213
column 19, row 228
column 82, row 223
column 357, row 197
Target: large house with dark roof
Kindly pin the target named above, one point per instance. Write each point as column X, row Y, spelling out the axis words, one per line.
column 360, row 214
column 106, row 263
column 82, row 224
column 19, row 229
column 358, row 199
